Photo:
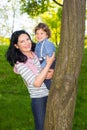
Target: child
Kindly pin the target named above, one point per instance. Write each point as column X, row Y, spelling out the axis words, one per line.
column 43, row 48
column 25, row 63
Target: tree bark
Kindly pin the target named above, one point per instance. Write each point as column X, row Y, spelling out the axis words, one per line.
column 62, row 97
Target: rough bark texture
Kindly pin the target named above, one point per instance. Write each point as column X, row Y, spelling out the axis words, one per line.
column 62, row 97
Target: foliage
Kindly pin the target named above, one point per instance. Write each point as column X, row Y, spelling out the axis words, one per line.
column 53, row 20
column 36, row 7
column 4, row 41
column 85, row 41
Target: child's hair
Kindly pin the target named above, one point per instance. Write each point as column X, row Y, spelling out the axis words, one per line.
column 13, row 54
column 44, row 27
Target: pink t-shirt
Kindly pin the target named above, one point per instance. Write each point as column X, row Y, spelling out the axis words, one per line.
column 31, row 64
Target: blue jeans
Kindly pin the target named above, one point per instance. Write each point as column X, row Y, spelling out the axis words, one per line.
column 39, row 109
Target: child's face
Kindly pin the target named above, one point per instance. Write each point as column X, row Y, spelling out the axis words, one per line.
column 41, row 35
column 24, row 43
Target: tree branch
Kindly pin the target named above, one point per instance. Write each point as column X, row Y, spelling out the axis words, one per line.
column 57, row 3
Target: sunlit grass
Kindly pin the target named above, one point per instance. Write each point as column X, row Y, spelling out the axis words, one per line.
column 15, row 103
column 80, row 119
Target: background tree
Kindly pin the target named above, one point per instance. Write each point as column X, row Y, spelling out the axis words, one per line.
column 4, row 19
column 8, row 13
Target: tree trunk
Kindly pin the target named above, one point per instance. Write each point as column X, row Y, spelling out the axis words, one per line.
column 62, row 97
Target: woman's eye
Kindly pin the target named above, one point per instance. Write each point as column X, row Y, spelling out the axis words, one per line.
column 22, row 41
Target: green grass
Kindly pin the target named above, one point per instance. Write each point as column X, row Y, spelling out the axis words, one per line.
column 15, row 103
column 15, row 108
column 80, row 119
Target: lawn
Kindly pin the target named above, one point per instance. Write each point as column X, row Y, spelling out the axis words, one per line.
column 15, row 108
column 80, row 119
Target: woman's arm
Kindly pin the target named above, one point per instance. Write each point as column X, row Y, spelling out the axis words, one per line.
column 30, row 77
column 42, row 75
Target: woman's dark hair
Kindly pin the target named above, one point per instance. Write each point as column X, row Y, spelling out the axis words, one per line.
column 13, row 54
column 44, row 27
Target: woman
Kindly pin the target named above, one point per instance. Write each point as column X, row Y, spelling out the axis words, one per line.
column 26, row 63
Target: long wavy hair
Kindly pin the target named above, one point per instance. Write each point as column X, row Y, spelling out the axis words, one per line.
column 13, row 54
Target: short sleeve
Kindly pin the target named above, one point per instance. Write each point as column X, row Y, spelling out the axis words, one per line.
column 50, row 48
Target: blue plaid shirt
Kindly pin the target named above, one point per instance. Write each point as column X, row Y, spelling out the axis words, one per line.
column 44, row 48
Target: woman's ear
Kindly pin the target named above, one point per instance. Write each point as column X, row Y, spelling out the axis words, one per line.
column 16, row 46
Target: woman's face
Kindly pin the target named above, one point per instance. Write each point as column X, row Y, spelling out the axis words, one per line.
column 24, row 43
